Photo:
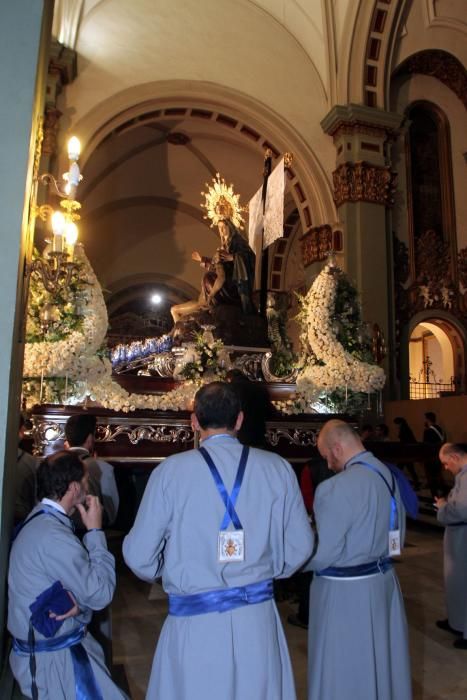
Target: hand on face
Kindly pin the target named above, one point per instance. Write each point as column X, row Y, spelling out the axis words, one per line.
column 92, row 514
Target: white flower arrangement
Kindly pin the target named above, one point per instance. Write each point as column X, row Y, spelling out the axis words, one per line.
column 326, row 365
column 76, row 358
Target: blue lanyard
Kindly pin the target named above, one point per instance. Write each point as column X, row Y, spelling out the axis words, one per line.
column 229, row 501
column 394, row 521
column 45, row 510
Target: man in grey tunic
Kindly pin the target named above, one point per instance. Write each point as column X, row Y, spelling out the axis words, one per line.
column 357, row 635
column 46, row 551
column 452, row 513
column 223, row 637
column 80, row 432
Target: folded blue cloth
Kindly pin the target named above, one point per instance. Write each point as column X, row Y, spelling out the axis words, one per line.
column 408, row 495
column 54, row 599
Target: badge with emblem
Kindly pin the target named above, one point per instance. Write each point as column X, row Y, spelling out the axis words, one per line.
column 394, row 543
column 231, row 545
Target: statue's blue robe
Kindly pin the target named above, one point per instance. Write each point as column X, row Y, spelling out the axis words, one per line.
column 46, row 550
column 241, row 654
column 357, row 635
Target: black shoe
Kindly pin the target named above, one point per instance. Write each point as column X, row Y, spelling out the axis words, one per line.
column 295, row 620
column 460, row 643
column 444, row 625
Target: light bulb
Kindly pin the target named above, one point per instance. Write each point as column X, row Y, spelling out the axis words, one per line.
column 156, row 299
column 58, row 223
column 74, row 148
column 71, row 233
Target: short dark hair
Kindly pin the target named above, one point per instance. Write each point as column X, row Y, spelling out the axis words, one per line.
column 57, row 472
column 217, row 405
column 78, row 428
column 429, row 415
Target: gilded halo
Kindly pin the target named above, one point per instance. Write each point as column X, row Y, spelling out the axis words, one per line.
column 222, row 203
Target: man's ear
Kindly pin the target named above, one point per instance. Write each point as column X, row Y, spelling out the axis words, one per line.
column 194, row 422
column 239, row 421
column 89, row 443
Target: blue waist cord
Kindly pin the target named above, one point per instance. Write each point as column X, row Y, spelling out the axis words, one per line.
column 380, row 566
column 220, row 600
column 85, row 682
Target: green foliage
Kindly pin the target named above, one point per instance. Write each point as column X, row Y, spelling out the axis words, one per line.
column 348, row 322
column 340, row 401
column 67, row 303
column 283, row 363
column 207, row 359
column 55, row 390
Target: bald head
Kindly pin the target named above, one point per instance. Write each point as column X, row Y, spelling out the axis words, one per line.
column 453, row 456
column 337, row 443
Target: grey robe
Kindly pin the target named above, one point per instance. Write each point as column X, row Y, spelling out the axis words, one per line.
column 455, row 552
column 357, row 638
column 46, row 550
column 240, row 654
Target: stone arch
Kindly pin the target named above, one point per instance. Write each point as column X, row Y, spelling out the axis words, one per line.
column 456, row 334
column 308, row 182
column 438, row 64
column 370, row 53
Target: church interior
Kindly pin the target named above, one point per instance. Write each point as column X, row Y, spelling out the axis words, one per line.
column 344, row 122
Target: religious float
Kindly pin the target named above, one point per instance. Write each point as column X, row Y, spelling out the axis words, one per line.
column 142, row 392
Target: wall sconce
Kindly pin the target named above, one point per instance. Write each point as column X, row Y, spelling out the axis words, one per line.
column 56, row 267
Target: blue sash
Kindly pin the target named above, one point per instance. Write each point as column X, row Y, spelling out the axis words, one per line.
column 85, row 682
column 220, row 600
column 380, row 566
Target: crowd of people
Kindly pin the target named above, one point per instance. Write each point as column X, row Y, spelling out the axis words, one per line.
column 219, row 524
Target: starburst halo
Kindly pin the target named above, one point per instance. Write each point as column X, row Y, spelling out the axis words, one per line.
column 222, row 203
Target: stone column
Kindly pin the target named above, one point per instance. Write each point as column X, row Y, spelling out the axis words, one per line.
column 364, row 188
column 25, row 28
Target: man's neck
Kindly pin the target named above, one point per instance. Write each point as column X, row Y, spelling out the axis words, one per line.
column 63, row 504
column 210, row 432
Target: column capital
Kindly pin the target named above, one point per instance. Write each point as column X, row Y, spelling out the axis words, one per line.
column 364, row 182
column 62, row 70
column 359, row 119
column 362, row 133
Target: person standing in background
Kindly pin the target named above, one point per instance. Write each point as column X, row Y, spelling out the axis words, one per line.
column 452, row 513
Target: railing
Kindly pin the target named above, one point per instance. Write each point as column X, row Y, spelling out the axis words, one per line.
column 431, row 390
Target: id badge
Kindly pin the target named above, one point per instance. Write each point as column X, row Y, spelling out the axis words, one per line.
column 394, row 543
column 231, row 545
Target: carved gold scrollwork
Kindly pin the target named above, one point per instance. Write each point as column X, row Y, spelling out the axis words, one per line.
column 303, row 437
column 316, row 244
column 152, row 433
column 363, row 182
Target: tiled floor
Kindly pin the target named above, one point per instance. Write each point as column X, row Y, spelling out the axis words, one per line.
column 439, row 671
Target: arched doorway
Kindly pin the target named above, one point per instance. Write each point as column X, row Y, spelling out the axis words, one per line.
column 436, row 359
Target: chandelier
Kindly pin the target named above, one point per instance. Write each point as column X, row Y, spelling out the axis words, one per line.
column 56, row 266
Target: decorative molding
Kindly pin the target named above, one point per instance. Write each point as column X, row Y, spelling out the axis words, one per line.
column 302, row 436
column 38, row 147
column 51, row 123
column 152, row 433
column 440, row 65
column 363, row 182
column 360, row 119
column 318, row 241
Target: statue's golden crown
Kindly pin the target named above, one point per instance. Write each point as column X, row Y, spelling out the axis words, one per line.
column 222, row 203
